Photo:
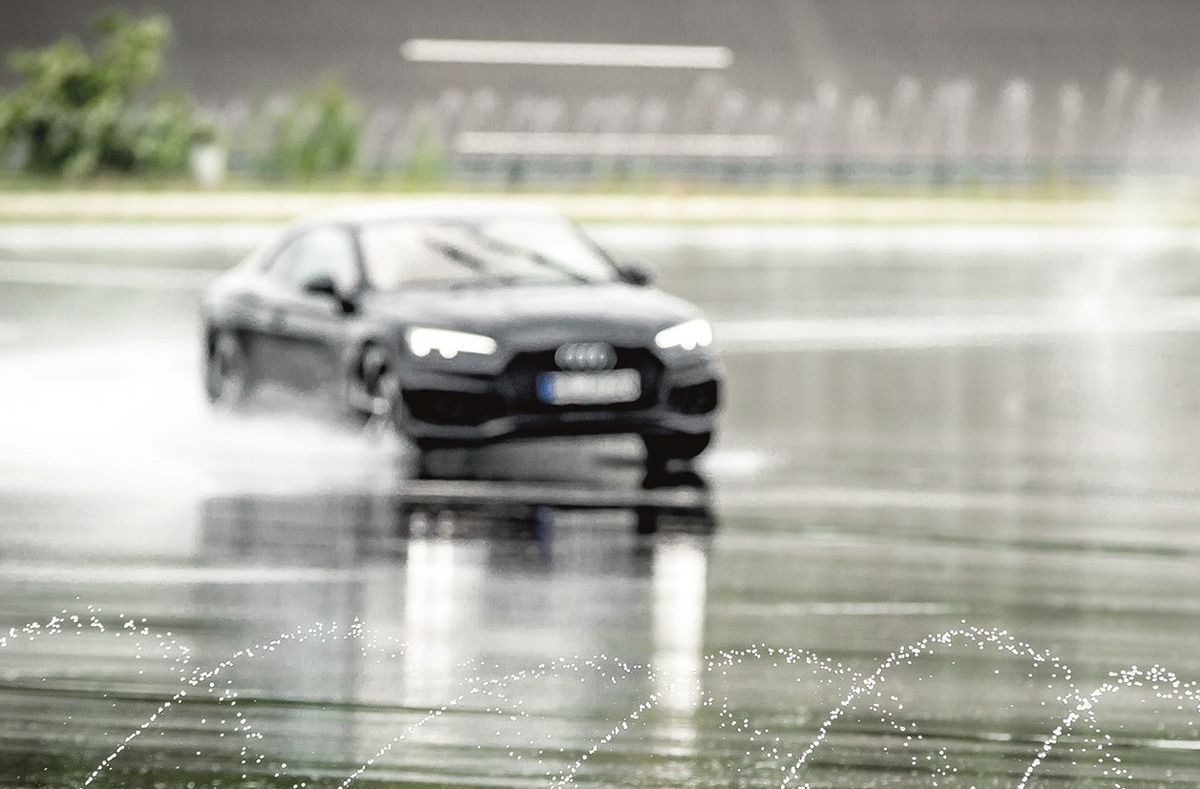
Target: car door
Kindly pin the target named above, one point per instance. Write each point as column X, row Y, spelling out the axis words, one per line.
column 303, row 333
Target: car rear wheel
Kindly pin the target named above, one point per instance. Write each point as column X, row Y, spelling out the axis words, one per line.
column 226, row 371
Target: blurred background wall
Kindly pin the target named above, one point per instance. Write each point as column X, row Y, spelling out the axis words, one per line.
column 777, row 92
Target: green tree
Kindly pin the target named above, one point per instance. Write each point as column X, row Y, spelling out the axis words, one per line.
column 77, row 114
column 426, row 165
column 317, row 134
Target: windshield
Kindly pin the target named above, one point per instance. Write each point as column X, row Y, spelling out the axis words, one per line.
column 502, row 250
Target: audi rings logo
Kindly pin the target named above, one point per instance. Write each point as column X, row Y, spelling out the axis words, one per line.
column 586, row 356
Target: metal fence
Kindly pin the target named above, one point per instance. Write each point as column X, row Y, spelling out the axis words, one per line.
column 944, row 133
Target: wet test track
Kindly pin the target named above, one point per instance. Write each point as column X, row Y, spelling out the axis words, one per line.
column 986, row 436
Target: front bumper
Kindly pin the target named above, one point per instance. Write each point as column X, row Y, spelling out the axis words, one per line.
column 464, row 406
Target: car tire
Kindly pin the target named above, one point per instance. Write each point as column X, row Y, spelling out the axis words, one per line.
column 660, row 449
column 378, row 380
column 227, row 378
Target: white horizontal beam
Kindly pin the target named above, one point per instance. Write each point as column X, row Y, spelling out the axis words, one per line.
column 557, row 53
column 592, row 144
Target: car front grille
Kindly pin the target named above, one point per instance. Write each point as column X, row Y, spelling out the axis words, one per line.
column 514, row 392
column 518, row 383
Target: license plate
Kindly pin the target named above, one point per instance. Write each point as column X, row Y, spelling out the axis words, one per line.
column 610, row 386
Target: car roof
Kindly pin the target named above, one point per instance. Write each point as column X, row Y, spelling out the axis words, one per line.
column 426, row 208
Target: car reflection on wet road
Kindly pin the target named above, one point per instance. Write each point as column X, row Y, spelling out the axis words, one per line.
column 985, row 434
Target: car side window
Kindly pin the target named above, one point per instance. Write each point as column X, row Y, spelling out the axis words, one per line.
column 324, row 251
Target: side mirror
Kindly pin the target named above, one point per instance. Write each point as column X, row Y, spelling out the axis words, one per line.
column 323, row 285
column 638, row 274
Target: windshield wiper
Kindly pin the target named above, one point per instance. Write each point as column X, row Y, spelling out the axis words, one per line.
column 456, row 254
column 532, row 255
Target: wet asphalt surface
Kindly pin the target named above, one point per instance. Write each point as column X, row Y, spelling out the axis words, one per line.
column 948, row 536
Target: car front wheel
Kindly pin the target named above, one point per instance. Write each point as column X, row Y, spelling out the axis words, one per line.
column 379, row 382
column 226, row 371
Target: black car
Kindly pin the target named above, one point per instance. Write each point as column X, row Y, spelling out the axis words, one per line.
column 462, row 324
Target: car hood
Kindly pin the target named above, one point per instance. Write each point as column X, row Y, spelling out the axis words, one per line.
column 616, row 312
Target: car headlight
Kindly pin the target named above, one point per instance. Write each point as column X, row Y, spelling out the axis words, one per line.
column 688, row 336
column 423, row 341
